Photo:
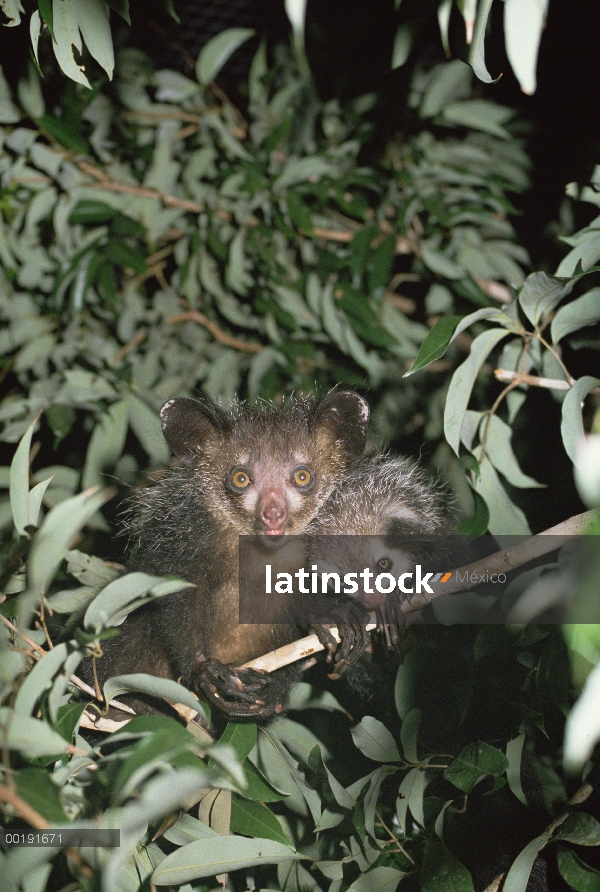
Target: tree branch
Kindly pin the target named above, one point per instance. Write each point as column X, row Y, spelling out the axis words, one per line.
column 533, row 380
column 220, row 336
column 103, row 181
column 500, row 562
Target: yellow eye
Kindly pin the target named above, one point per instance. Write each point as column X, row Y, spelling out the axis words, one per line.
column 302, row 477
column 239, row 478
column 384, row 563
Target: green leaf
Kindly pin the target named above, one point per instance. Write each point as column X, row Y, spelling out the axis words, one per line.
column 514, row 753
column 56, row 534
column 477, row 523
column 121, row 7
column 89, row 211
column 241, row 737
column 163, row 688
column 462, row 383
column 579, row 828
column 257, row 787
column 61, row 419
column 403, row 42
column 379, row 265
column 40, row 679
column 575, row 315
column 506, row 519
column 518, row 875
column 540, row 294
column 449, row 82
column 66, row 134
column 299, row 170
column 124, row 594
column 500, row 452
column 579, row 875
column 208, row 857
column 375, row 741
column 475, row 762
column 124, row 256
column 441, row 870
column 31, row 737
column 253, row 818
column 583, row 256
column 477, row 50
column 92, row 17
column 380, row 879
column 106, row 444
column 36, row 788
column 435, row 344
column 146, row 426
column 90, row 570
column 571, row 427
column 523, row 26
column 409, row 735
column 45, row 7
column 479, row 114
column 19, row 482
column 68, row 719
column 12, row 10
column 441, row 264
column 217, row 51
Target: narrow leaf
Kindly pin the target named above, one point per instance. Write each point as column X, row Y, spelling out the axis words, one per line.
column 524, row 22
column 435, row 344
column 571, row 426
column 477, row 51
column 254, row 818
column 575, row 315
column 208, row 857
column 518, row 876
column 19, row 481
column 541, row 293
column 462, row 383
column 92, row 16
column 66, row 36
column 217, row 51
column 375, row 741
column 500, row 452
column 579, row 875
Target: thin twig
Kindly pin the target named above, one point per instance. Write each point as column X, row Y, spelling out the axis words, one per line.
column 535, row 381
column 166, row 115
column 221, row 336
column 105, row 182
column 130, row 345
column 334, row 235
column 557, row 357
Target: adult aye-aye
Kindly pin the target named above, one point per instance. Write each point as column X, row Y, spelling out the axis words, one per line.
column 254, row 470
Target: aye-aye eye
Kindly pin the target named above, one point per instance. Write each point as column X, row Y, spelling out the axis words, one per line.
column 239, row 479
column 384, row 564
column 302, row 478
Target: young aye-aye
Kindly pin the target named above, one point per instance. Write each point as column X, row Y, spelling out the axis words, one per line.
column 374, row 519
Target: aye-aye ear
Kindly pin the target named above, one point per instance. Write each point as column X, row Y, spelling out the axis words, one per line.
column 346, row 415
column 186, row 424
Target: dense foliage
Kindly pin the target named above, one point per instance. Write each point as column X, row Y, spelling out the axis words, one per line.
column 77, row 26
column 153, row 242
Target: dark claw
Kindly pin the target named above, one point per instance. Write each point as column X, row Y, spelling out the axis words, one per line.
column 352, row 619
column 325, row 637
column 235, row 691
